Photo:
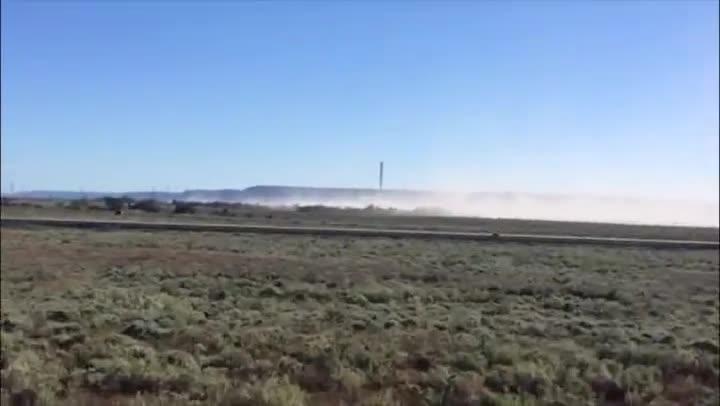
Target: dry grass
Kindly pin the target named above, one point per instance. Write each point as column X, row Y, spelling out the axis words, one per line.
column 201, row 318
column 334, row 217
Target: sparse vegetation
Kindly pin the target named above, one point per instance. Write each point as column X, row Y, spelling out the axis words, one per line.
column 147, row 205
column 116, row 204
column 184, row 207
column 372, row 217
column 136, row 318
column 79, row 204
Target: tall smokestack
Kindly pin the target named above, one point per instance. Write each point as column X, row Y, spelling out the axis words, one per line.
column 381, row 175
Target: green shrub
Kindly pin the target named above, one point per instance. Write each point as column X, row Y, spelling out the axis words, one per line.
column 184, row 207
column 466, row 362
column 117, row 203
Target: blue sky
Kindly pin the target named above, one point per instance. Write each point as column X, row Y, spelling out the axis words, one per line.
column 616, row 98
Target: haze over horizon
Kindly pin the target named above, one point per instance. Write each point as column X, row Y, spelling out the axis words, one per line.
column 373, row 189
column 605, row 209
column 580, row 99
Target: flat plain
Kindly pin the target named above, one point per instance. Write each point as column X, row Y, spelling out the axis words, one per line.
column 132, row 317
column 318, row 216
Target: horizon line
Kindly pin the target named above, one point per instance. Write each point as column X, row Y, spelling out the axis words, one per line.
column 370, row 189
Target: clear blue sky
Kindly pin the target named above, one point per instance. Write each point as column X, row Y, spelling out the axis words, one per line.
column 617, row 97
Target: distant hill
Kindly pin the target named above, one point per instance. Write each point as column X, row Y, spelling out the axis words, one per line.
column 69, row 195
column 254, row 194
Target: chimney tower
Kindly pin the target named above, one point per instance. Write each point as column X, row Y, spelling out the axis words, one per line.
column 381, row 175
